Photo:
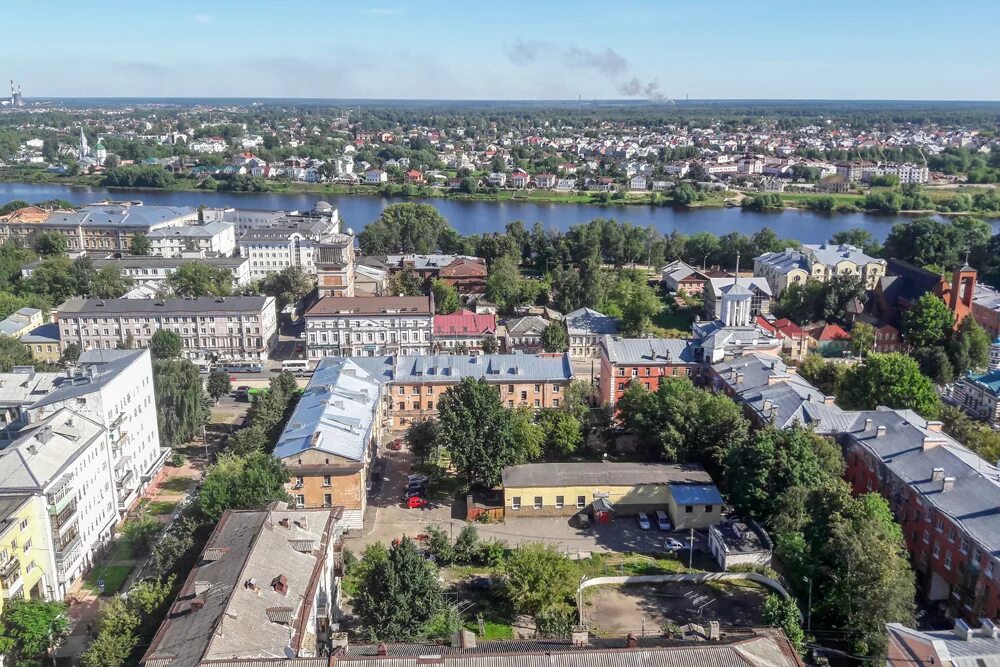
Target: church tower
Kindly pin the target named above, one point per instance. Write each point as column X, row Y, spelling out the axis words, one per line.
column 84, row 146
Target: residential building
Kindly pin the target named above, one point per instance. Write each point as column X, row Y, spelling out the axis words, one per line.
column 289, row 241
column 585, row 328
column 468, row 276
column 462, row 332
column 336, row 266
column 887, row 337
column 524, row 334
column 770, row 184
column 760, row 290
column 519, row 179
column 63, row 462
column 369, row 326
column 905, row 283
column 963, row 645
column 427, row 267
column 828, row 339
column 679, row 276
column 231, row 328
column 24, row 563
column 794, row 341
column 376, row 176
column 986, row 308
column 497, row 179
column 43, row 342
column 637, row 184
column 545, row 181
column 819, row 262
column 20, row 322
column 685, row 491
column 369, row 280
column 642, row 360
column 764, row 647
column 978, row 394
column 417, row 383
column 332, row 437
column 216, row 238
column 153, row 269
column 267, row 584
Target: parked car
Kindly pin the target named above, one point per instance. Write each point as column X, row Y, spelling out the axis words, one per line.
column 670, row 544
column 395, row 445
column 242, row 393
column 662, row 522
column 416, row 502
column 410, row 493
column 422, row 479
column 643, row 520
column 418, row 488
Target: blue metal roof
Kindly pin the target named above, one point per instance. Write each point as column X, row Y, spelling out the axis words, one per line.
column 695, row 494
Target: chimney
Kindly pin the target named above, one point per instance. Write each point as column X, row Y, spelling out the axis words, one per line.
column 280, row 584
column 988, row 629
column 935, row 426
column 632, row 640
column 962, row 630
column 739, row 377
column 930, row 442
column 580, row 636
column 937, row 474
column 197, row 603
column 338, row 640
column 201, row 586
column 382, row 649
column 868, row 424
column 947, row 484
column 713, row 631
column 880, row 431
column 829, row 400
column 767, row 404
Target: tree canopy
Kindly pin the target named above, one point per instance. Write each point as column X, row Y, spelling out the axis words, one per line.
column 893, row 380
column 180, row 402
column 242, row 482
column 404, row 228
column 165, row 344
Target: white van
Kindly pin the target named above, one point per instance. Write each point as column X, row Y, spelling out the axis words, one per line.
column 297, row 366
column 662, row 522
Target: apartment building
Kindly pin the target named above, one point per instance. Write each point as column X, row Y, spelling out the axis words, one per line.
column 416, row 384
column 267, row 584
column 820, row 262
column 644, row 361
column 63, row 462
column 463, row 332
column 585, row 327
column 290, row 240
column 213, row 238
column 152, row 269
column 332, row 437
column 24, row 565
column 229, row 328
column 370, row 326
column 978, row 394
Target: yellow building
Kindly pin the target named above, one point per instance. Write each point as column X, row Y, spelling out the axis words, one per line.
column 43, row 343
column 684, row 491
column 23, row 548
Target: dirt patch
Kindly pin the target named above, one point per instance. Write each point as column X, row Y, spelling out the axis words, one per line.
column 618, row 610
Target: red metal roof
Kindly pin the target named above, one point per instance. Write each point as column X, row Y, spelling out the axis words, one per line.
column 464, row 322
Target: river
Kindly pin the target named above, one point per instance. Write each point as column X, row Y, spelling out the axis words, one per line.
column 477, row 217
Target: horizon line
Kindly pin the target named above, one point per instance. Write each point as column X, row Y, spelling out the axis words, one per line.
column 618, row 100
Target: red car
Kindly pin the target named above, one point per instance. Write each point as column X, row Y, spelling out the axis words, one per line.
column 396, row 444
column 416, row 502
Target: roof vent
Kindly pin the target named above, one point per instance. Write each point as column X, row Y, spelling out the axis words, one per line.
column 201, row 587
column 947, row 484
column 962, row 630
column 988, row 629
column 880, row 431
column 868, row 423
column 251, row 585
column 280, row 584
column 937, row 474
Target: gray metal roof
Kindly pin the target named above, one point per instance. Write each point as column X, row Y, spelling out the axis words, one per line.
column 206, row 305
column 529, row 324
column 830, row 254
column 47, row 333
column 95, row 369
column 206, row 230
column 336, row 413
column 648, row 350
column 603, row 474
column 116, row 215
column 45, row 450
column 739, row 285
column 586, row 321
column 492, row 367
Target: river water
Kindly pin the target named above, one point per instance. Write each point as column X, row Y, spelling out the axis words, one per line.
column 477, row 217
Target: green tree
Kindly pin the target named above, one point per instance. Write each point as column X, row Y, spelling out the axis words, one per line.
column 893, row 380
column 928, row 322
column 242, row 482
column 421, row 438
column 141, row 245
column 507, row 288
column 445, row 297
column 862, row 338
column 13, row 353
column 563, row 433
column 824, row 375
column 398, row 594
column 165, row 344
column 537, row 578
column 140, row 533
column 30, row 627
column 71, row 353
column 475, row 428
column 180, row 401
column 404, row 228
column 554, row 338
column 48, row 244
column 783, row 613
column 219, row 384
column 970, row 347
column 117, row 635
column 108, row 283
column 439, row 545
column 679, row 422
column 468, row 550
column 404, row 283
column 287, row 286
column 53, row 279
column 490, row 344
column 193, row 279
column 248, row 439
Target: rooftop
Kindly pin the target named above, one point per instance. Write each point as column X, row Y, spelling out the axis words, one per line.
column 604, row 474
column 205, row 305
column 464, row 322
column 372, row 305
column 586, row 321
column 492, row 367
column 45, row 450
column 648, row 350
column 120, row 215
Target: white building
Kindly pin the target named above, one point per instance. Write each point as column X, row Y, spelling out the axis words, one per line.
column 585, row 327
column 235, row 328
column 497, row 178
column 820, row 262
column 370, row 326
column 287, row 242
column 215, row 238
column 64, row 463
column 208, row 145
column 148, row 269
column 376, row 176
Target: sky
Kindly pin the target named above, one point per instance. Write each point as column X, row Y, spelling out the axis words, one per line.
column 541, row 49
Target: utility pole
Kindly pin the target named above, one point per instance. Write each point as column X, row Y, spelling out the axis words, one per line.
column 809, row 606
column 691, row 550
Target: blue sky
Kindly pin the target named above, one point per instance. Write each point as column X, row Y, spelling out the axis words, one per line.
column 545, row 49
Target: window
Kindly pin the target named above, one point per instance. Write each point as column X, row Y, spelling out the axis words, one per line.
column 510, row 388
column 538, row 388
column 964, row 546
column 927, row 537
column 937, row 550
column 524, row 395
column 555, row 402
column 515, row 503
column 299, row 481
column 951, row 534
column 708, row 509
column 538, row 502
column 688, row 509
column 326, row 480
column 300, row 500
column 538, row 403
column 27, row 546
column 24, row 524
column 327, row 500
column 939, row 525
column 989, row 569
column 559, row 502
column 581, row 502
column 947, row 560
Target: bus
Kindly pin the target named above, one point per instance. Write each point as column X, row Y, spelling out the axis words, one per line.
column 297, row 366
column 250, row 367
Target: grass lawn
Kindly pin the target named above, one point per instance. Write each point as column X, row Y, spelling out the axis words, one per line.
column 161, row 507
column 493, row 630
column 121, row 550
column 178, row 484
column 114, row 577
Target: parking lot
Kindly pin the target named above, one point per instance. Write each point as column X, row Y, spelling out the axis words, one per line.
column 386, row 519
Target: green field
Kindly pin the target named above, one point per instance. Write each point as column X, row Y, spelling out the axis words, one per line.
column 114, row 577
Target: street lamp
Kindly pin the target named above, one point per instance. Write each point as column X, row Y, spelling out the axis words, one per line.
column 809, row 604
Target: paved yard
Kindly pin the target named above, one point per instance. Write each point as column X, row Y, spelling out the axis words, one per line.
column 638, row 608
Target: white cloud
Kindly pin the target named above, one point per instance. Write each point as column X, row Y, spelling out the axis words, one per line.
column 384, row 11
column 202, row 18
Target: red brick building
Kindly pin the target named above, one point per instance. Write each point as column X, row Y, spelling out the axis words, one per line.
column 466, row 275
column 643, row 360
column 904, row 283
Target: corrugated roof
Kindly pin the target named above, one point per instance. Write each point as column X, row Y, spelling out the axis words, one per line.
column 603, row 474
column 152, row 307
column 492, row 367
column 586, row 321
column 648, row 350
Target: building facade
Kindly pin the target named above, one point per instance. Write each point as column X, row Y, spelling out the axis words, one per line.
column 978, row 394
column 24, row 563
column 217, row 238
column 463, row 332
column 820, row 262
column 223, row 328
column 370, row 326
column 585, row 328
column 336, row 266
column 644, row 361
column 760, row 291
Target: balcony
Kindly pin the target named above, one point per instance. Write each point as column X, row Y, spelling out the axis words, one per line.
column 118, row 421
column 10, row 573
column 65, row 518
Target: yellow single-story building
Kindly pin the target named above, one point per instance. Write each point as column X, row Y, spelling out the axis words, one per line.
column 684, row 491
